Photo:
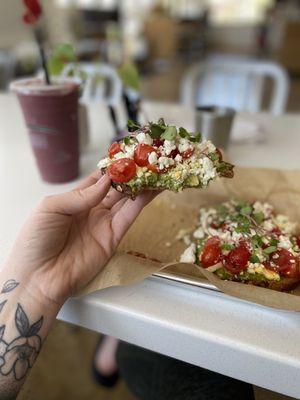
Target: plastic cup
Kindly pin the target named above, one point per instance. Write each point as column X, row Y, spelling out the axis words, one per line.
column 51, row 116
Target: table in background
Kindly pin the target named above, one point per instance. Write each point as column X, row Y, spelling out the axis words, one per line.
column 251, row 343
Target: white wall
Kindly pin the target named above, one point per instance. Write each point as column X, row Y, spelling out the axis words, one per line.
column 241, row 38
column 12, row 30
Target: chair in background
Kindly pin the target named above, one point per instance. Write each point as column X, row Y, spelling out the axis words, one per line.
column 236, row 83
column 101, row 82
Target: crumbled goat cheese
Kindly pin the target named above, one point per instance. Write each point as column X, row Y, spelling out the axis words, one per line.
column 268, row 225
column 199, row 233
column 178, row 158
column 103, row 163
column 169, row 146
column 120, row 155
column 210, row 146
column 206, row 147
column 204, row 217
column 209, row 171
column 144, row 138
column 165, row 162
column 236, row 236
column 152, row 158
column 225, row 236
column 129, row 150
column 284, row 242
column 260, row 255
column 285, row 224
column 195, row 167
column 184, row 145
column 189, row 255
column 265, row 208
column 212, row 232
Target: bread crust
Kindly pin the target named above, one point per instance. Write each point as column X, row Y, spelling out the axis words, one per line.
column 127, row 191
column 284, row 285
column 121, row 187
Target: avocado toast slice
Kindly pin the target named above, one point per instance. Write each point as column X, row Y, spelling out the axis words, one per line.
column 158, row 156
column 248, row 243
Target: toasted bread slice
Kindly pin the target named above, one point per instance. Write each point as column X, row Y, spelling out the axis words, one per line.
column 159, row 157
column 247, row 242
column 283, row 285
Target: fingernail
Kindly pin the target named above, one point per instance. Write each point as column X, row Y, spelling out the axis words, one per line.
column 102, row 179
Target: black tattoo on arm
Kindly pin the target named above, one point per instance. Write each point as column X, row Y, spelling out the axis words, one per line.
column 18, row 356
column 2, row 304
column 2, row 328
column 9, row 285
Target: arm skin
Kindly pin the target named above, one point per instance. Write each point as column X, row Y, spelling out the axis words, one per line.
column 66, row 241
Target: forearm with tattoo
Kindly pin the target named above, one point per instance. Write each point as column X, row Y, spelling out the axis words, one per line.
column 21, row 333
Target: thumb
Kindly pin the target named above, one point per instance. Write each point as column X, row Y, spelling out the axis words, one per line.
column 78, row 200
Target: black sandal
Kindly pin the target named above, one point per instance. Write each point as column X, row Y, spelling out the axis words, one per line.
column 107, row 381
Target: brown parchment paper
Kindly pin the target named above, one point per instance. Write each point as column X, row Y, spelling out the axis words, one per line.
column 154, row 233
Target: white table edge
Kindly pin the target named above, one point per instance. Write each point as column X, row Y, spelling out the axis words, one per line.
column 102, row 312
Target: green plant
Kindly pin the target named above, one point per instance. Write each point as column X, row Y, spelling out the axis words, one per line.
column 62, row 54
column 129, row 75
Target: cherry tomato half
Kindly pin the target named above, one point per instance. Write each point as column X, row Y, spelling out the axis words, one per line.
column 188, row 153
column 123, row 170
column 287, row 264
column 211, row 253
column 293, row 271
column 237, row 259
column 115, row 148
column 141, row 154
column 271, row 266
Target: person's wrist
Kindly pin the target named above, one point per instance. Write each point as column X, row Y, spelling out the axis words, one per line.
column 30, row 285
column 39, row 293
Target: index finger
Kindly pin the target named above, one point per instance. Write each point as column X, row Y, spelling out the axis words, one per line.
column 129, row 211
column 89, row 180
